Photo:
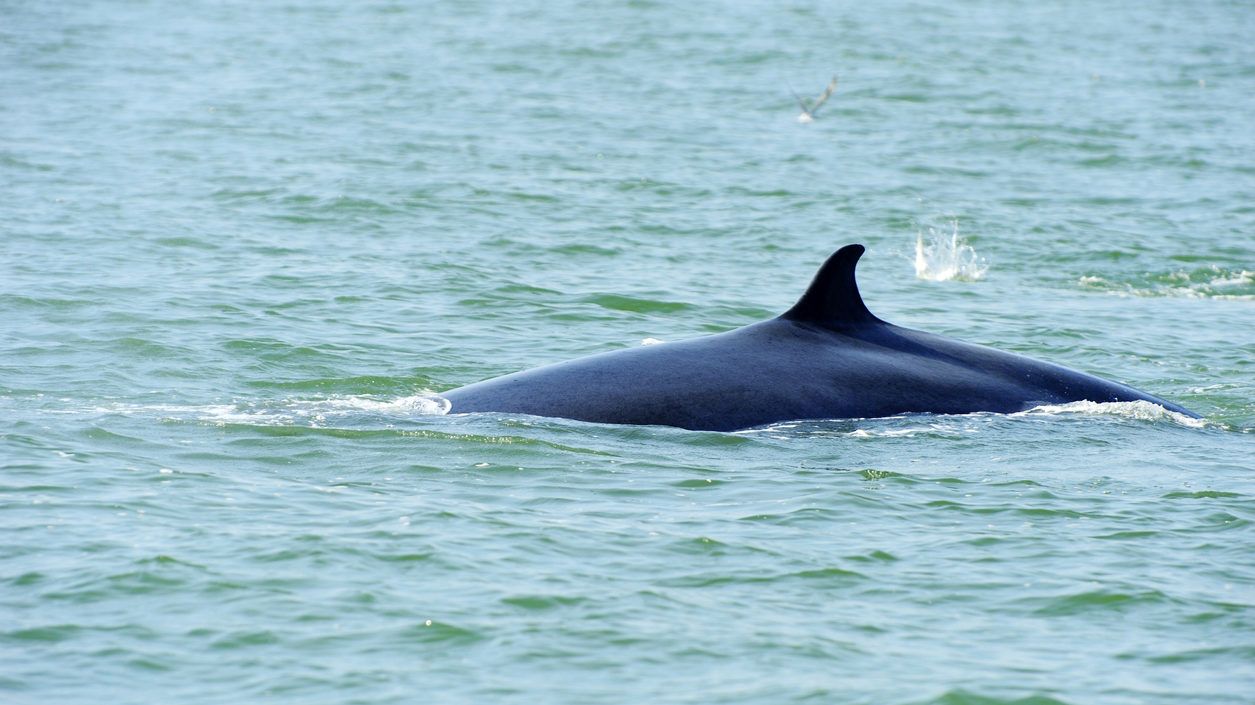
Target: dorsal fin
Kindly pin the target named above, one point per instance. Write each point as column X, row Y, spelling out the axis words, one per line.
column 832, row 299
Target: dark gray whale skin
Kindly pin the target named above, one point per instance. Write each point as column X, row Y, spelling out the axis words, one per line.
column 827, row 357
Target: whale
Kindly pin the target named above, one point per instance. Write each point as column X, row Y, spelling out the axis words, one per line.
column 827, row 357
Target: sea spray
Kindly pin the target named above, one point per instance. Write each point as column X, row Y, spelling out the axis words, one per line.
column 945, row 257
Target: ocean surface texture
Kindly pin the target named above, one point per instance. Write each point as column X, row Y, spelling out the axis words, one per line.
column 244, row 244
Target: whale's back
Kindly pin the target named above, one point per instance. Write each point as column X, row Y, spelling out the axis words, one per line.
column 827, row 357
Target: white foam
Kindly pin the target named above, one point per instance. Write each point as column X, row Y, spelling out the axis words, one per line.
column 1228, row 279
column 888, row 432
column 1137, row 410
column 422, row 404
column 289, row 412
column 884, row 427
column 957, row 425
column 947, row 257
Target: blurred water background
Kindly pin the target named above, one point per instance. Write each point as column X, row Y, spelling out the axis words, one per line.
column 240, row 242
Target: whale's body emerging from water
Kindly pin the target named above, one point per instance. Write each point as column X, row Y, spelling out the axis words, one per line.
column 827, row 357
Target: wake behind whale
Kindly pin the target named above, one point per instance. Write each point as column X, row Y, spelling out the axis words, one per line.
column 827, row 357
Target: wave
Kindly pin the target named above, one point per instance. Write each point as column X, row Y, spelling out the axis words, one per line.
column 1136, row 410
column 1208, row 282
column 294, row 412
column 955, row 426
column 354, row 410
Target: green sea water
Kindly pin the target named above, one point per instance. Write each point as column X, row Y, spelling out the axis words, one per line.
column 242, row 244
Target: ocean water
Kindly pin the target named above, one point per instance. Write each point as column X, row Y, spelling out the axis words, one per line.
column 243, row 244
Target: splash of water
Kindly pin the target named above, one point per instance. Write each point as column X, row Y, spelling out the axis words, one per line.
column 947, row 257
